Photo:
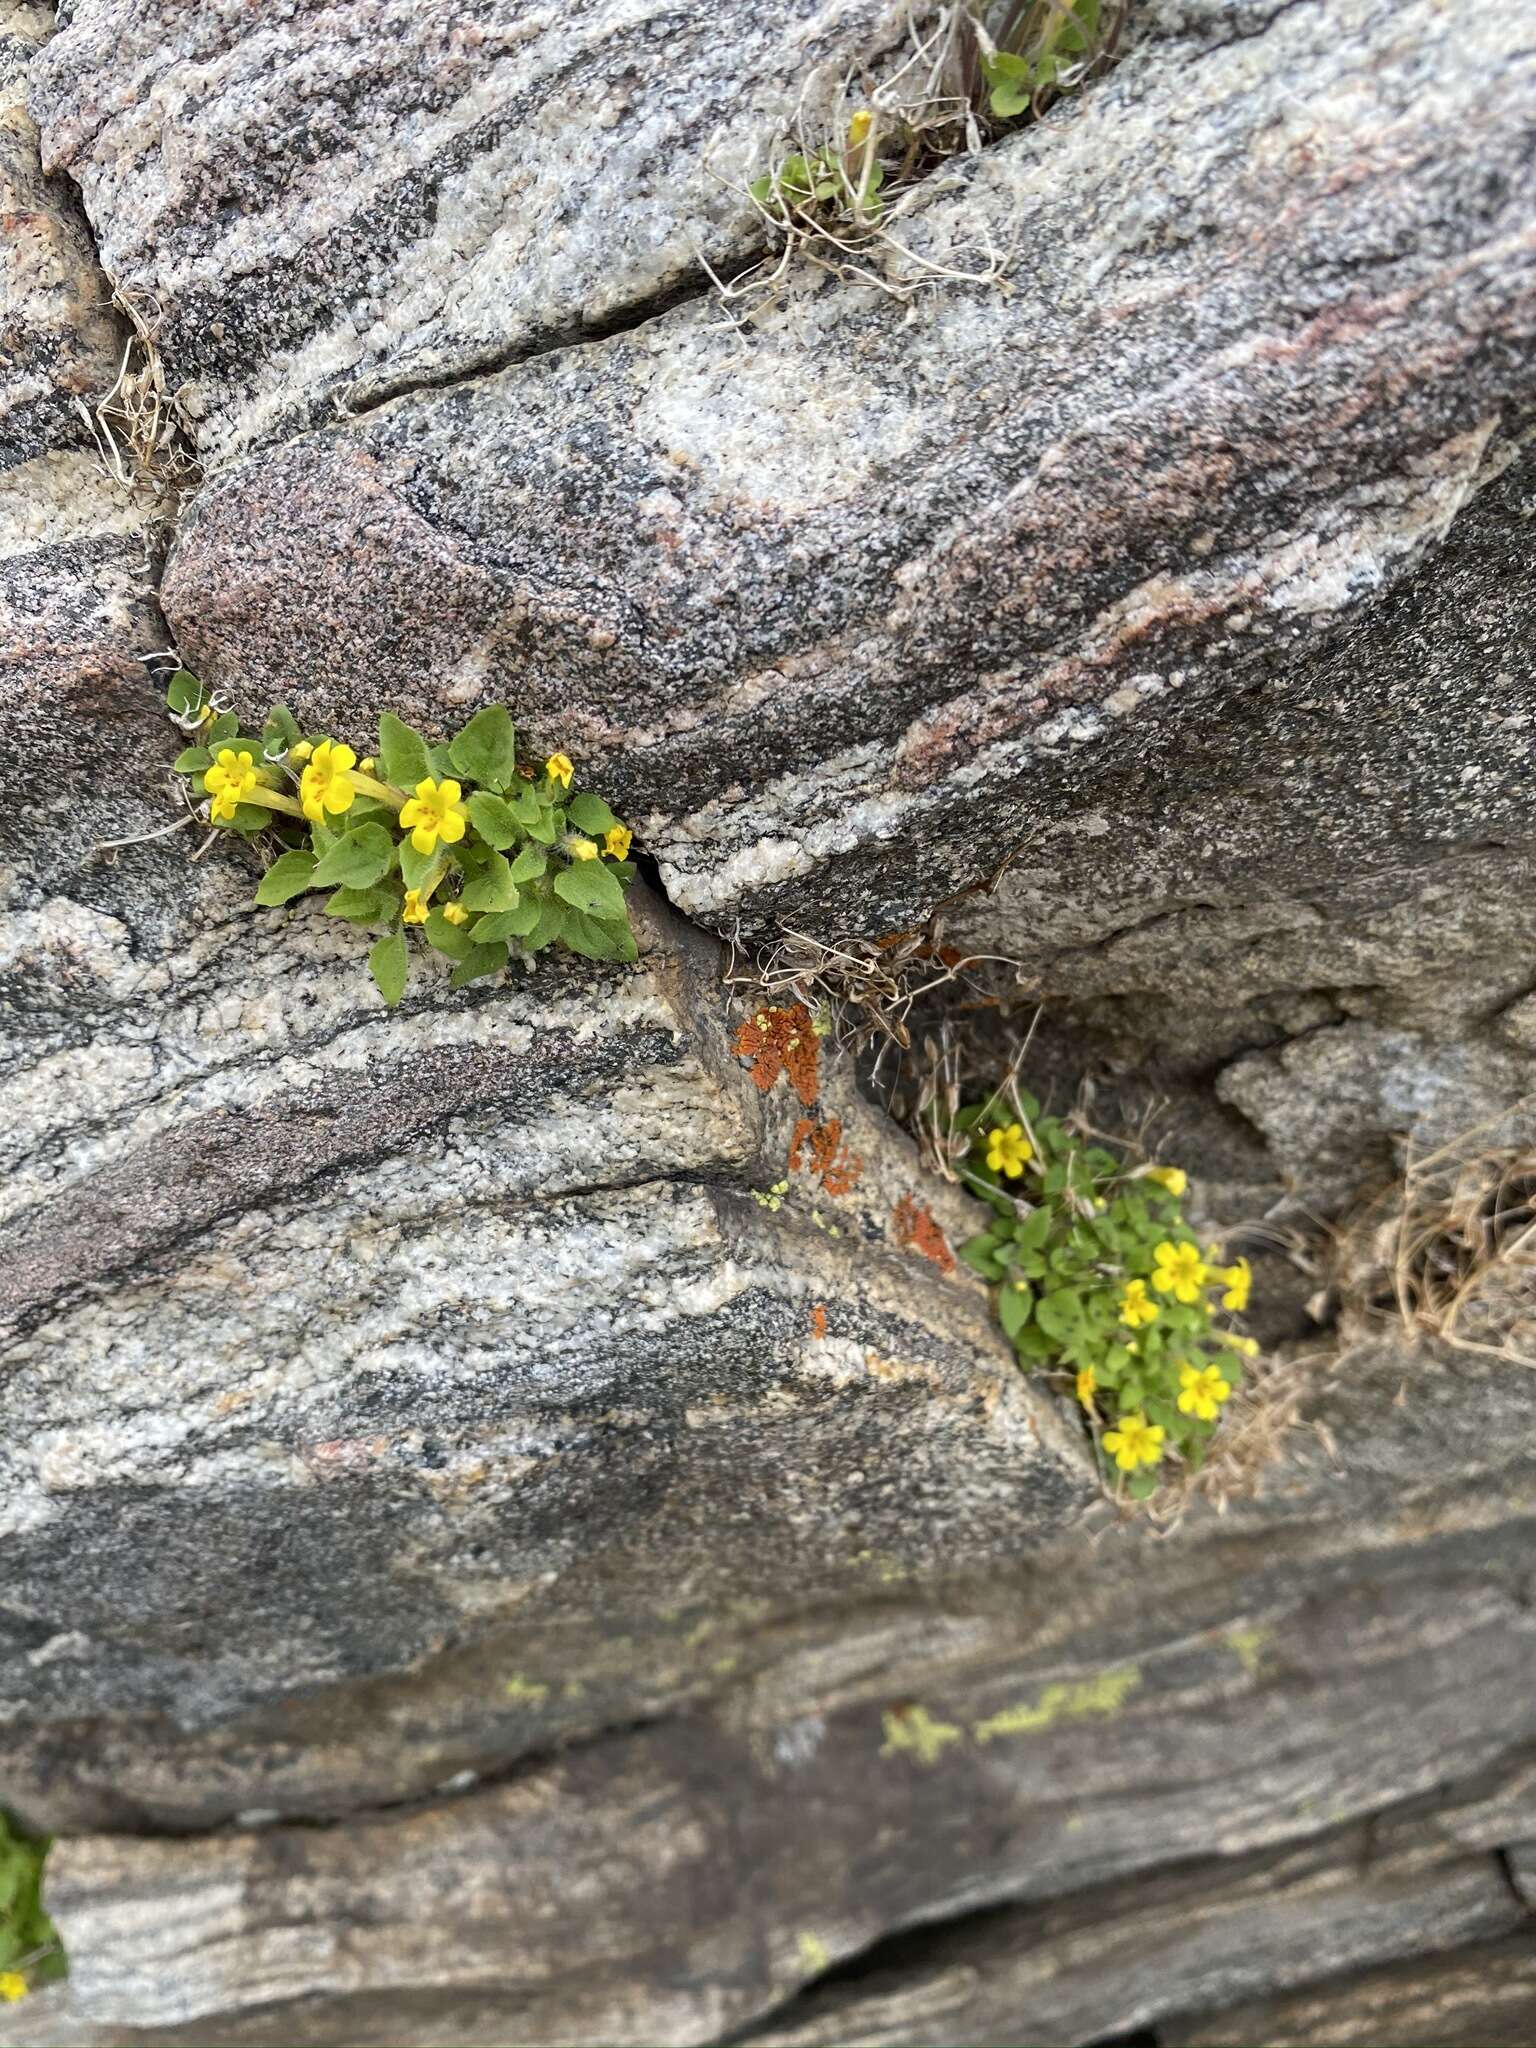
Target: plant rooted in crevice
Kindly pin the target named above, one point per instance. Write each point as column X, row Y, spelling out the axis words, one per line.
column 31, row 1954
column 490, row 858
column 840, row 180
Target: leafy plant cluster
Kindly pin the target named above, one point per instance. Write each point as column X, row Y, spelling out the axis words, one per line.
column 978, row 69
column 488, row 858
column 1099, row 1276
column 30, row 1954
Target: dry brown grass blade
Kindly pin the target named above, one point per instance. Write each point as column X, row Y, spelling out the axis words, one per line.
column 140, row 428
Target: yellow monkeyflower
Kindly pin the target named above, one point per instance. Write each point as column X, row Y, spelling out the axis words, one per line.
column 1180, row 1270
column 616, row 841
column 1173, row 1178
column 581, row 849
column 558, row 768
column 231, row 777
column 1134, row 1441
column 325, row 784
column 1202, row 1391
column 12, row 1986
column 1135, row 1307
column 1087, row 1380
column 455, row 913
column 1239, row 1279
column 301, row 752
column 434, row 812
column 415, row 911
column 1009, row 1150
column 367, row 765
column 1247, row 1346
column 859, row 127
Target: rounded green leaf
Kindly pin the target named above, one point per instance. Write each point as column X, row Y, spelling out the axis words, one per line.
column 492, row 888
column 477, row 962
column 389, row 964
column 591, row 814
column 493, row 819
column 588, row 887
column 402, row 752
column 485, row 751
column 358, row 858
column 289, row 876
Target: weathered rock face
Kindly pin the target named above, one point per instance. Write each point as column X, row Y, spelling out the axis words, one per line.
column 504, row 1540
column 930, row 578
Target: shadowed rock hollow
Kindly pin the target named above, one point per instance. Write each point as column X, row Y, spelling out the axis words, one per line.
column 499, row 1546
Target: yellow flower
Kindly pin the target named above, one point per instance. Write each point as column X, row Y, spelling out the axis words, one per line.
column 1134, row 1442
column 231, row 777
column 12, row 1986
column 1248, row 1346
column 455, row 913
column 415, row 911
column 325, row 784
column 435, row 812
column 581, row 849
column 558, row 768
column 1239, row 1279
column 1009, row 1150
column 1135, row 1308
column 1201, row 1391
column 367, row 765
column 1180, row 1270
column 859, row 127
column 301, row 752
column 617, row 841
column 1087, row 1380
column 1173, row 1178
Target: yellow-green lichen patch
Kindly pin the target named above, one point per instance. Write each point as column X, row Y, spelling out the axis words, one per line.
column 912, row 1731
column 813, row 1952
column 525, row 1691
column 1075, row 1701
column 1247, row 1645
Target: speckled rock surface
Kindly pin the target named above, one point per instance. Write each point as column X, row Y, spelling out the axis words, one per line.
column 925, row 582
column 331, row 204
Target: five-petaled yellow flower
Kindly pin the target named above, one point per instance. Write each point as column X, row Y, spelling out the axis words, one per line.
column 231, row 777
column 558, row 768
column 1008, row 1150
column 1173, row 1178
column 455, row 913
column 1135, row 1308
column 12, row 1986
column 415, row 911
column 616, row 841
column 1134, row 1441
column 325, row 784
column 434, row 812
column 1087, row 1380
column 1201, row 1391
column 581, row 849
column 1239, row 1279
column 1179, row 1271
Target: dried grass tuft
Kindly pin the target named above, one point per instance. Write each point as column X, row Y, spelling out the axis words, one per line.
column 141, row 429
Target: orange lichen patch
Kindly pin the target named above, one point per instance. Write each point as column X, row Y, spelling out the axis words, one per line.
column 916, row 1231
column 838, row 1169
column 781, row 1042
column 819, row 1319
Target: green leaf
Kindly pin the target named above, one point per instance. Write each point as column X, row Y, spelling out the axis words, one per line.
column 184, row 693
column 507, row 924
column 440, row 761
column 1059, row 1313
column 477, row 962
column 416, row 867
column 363, row 906
column 493, row 818
column 493, row 887
column 543, row 825
column 591, row 814
column 402, row 752
column 1014, row 1302
column 596, row 941
column 192, row 760
column 289, row 876
column 452, row 939
column 250, row 819
column 281, row 729
column 548, row 927
column 485, row 751
column 530, row 864
column 223, row 728
column 1142, row 1485
column 588, row 887
column 389, row 963
column 357, row 859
